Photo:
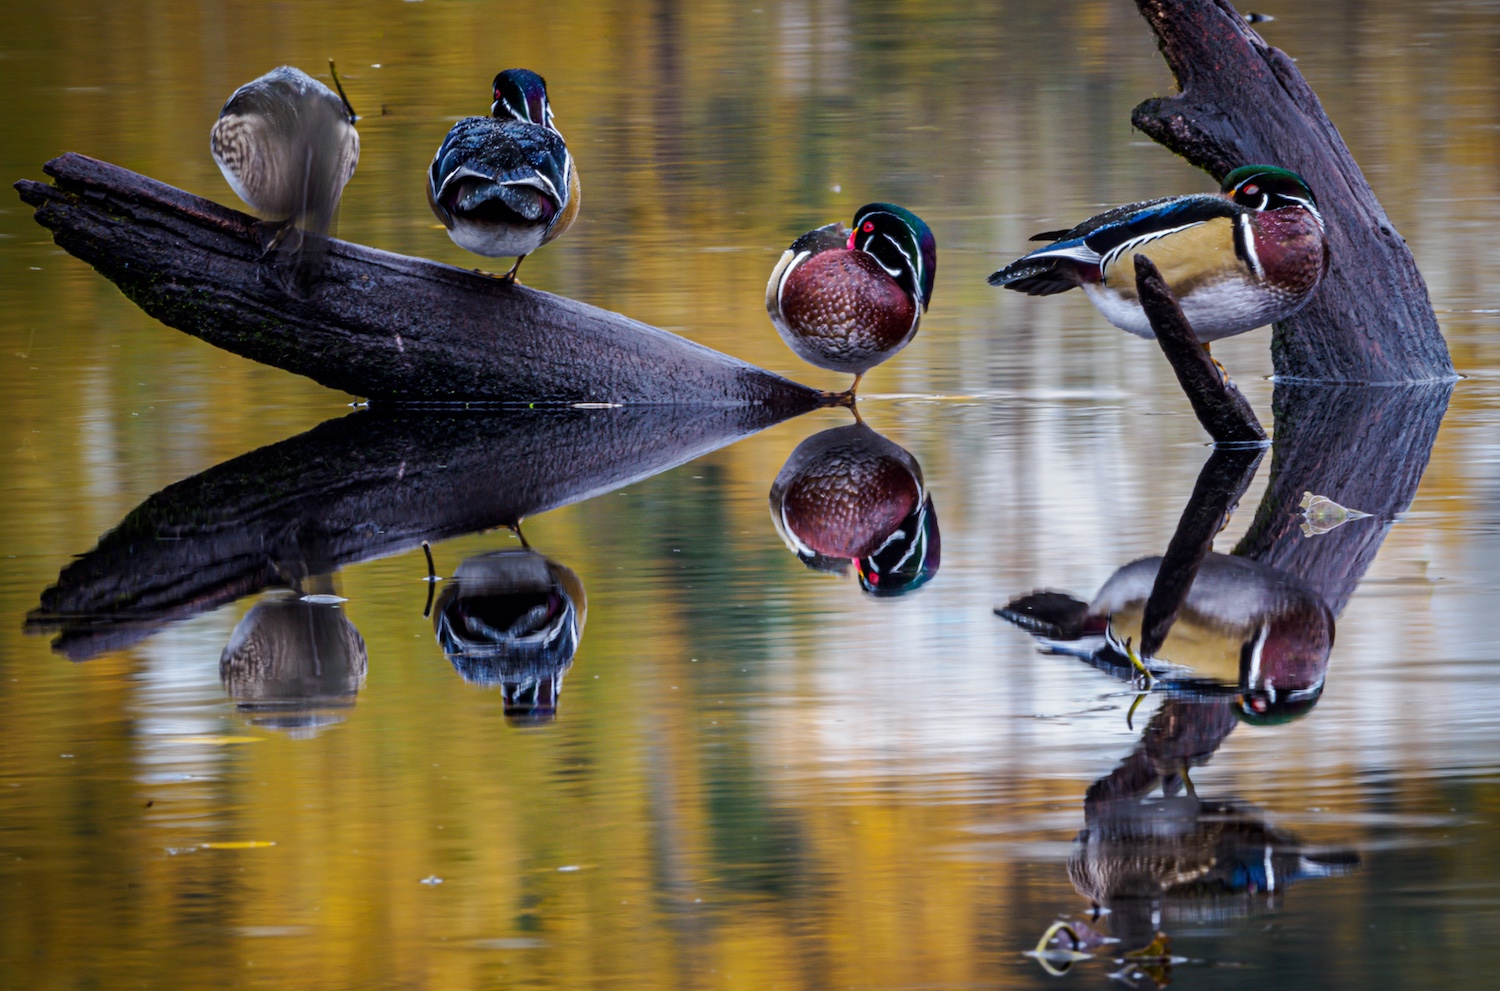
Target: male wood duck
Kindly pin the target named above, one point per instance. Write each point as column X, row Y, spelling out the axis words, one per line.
column 850, row 496
column 1249, row 256
column 287, row 146
column 1246, row 630
column 505, row 185
column 513, row 618
column 848, row 300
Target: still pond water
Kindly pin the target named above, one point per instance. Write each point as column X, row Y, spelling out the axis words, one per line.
column 716, row 767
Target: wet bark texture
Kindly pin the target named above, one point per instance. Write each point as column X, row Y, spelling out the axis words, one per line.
column 1219, row 405
column 1243, row 102
column 367, row 485
column 1364, row 447
column 387, row 327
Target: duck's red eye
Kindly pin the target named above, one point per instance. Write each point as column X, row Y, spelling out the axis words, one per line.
column 868, row 227
column 1250, row 190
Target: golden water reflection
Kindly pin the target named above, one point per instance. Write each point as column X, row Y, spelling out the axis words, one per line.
column 758, row 777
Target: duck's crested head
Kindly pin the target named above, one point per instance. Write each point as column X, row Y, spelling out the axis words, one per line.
column 902, row 243
column 908, row 559
column 522, row 95
column 1267, row 187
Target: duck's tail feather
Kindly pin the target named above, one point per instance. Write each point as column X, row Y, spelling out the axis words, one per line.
column 1036, row 276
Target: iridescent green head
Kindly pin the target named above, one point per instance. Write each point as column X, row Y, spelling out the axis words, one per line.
column 909, row 557
column 1267, row 187
column 901, row 243
column 522, row 94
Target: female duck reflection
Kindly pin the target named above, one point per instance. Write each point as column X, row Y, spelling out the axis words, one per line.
column 850, row 496
column 295, row 660
column 513, row 618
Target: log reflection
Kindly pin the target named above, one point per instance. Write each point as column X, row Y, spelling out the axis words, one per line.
column 850, row 498
column 367, row 485
column 1227, row 639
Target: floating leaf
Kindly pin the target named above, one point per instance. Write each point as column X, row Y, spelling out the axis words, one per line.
column 1321, row 514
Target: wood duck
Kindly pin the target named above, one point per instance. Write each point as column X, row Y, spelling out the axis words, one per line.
column 505, row 185
column 848, row 496
column 287, row 146
column 1249, row 256
column 1246, row 630
column 848, row 300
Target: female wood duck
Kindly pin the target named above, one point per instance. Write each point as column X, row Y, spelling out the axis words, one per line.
column 505, row 185
column 287, row 146
column 850, row 496
column 1247, row 257
column 848, row 300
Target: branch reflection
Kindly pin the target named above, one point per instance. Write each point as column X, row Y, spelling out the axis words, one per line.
column 1226, row 639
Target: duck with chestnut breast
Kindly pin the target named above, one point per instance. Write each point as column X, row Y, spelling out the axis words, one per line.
column 1248, row 256
column 847, row 300
column 504, row 185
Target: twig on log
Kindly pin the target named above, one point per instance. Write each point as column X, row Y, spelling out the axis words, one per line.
column 387, row 327
column 1224, row 412
column 1243, row 102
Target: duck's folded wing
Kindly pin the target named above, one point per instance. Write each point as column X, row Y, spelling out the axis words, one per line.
column 483, row 159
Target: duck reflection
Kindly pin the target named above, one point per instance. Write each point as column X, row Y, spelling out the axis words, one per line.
column 294, row 662
column 850, row 498
column 513, row 618
column 1180, row 858
column 1244, row 630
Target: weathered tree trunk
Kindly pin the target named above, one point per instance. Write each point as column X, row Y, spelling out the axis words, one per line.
column 379, row 325
column 366, row 485
column 1243, row 102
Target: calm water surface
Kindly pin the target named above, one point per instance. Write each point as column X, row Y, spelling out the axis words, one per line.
column 749, row 773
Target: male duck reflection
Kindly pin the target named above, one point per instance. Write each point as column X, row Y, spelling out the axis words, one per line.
column 848, row 300
column 287, row 147
column 849, row 496
column 1244, row 629
column 513, row 618
column 1249, row 256
column 505, row 185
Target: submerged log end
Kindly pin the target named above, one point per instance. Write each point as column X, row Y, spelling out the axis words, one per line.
column 1220, row 407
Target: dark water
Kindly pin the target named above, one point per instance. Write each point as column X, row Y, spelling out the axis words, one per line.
column 652, row 748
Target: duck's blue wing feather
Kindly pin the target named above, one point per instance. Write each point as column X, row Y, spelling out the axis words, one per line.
column 503, row 159
column 1076, row 254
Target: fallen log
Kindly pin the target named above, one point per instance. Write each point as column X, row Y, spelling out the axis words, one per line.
column 386, row 327
column 1244, row 102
